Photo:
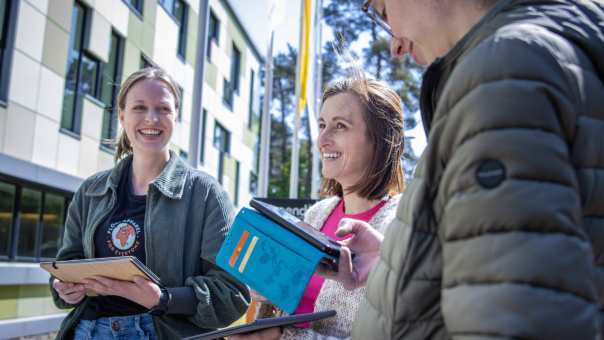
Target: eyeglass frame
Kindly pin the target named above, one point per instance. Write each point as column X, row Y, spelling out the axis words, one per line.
column 376, row 17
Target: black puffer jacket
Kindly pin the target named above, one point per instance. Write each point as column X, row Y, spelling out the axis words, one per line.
column 501, row 233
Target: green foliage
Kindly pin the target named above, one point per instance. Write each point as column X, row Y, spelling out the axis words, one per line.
column 349, row 25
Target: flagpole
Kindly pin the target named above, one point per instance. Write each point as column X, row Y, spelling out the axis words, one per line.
column 316, row 158
column 295, row 155
column 266, row 122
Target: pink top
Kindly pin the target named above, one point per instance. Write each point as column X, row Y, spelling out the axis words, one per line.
column 307, row 303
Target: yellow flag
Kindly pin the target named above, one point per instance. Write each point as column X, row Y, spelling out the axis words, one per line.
column 304, row 53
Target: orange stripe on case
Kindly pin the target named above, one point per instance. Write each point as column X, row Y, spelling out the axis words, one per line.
column 237, row 250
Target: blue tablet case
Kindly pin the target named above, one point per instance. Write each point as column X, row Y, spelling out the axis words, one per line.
column 268, row 258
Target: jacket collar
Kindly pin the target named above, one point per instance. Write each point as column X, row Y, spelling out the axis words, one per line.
column 437, row 73
column 170, row 182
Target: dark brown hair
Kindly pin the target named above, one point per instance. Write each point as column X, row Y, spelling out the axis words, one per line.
column 124, row 148
column 383, row 116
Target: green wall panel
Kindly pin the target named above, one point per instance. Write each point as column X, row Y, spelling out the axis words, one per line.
column 25, row 301
column 148, row 37
column 56, row 43
column 211, row 74
column 249, row 138
column 135, row 30
column 8, row 301
column 60, row 12
column 132, row 57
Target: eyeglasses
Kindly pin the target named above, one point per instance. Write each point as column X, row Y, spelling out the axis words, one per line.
column 376, row 17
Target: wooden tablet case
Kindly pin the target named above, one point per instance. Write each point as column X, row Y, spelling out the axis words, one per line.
column 119, row 268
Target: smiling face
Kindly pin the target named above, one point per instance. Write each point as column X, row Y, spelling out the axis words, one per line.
column 417, row 26
column 346, row 150
column 148, row 116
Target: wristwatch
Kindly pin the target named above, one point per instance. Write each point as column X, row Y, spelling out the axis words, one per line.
column 162, row 305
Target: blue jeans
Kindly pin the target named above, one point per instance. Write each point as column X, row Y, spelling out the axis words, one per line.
column 132, row 327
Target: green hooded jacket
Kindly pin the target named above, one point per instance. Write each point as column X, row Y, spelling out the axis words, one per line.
column 187, row 218
column 500, row 235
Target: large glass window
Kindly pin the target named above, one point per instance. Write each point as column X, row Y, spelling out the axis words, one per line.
column 83, row 72
column 213, row 33
column 29, row 218
column 7, row 207
column 111, row 86
column 7, row 33
column 31, row 222
column 52, row 223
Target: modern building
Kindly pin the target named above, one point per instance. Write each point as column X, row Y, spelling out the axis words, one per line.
column 61, row 63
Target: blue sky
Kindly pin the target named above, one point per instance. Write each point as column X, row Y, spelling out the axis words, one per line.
column 254, row 15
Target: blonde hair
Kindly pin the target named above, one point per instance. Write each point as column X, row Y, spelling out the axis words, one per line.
column 124, row 148
column 383, row 116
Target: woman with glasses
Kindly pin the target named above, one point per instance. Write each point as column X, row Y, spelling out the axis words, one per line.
column 500, row 233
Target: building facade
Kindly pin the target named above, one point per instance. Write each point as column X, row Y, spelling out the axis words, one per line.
column 61, row 63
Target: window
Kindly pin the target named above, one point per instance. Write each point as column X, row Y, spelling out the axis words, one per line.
column 8, row 15
column 52, row 224
column 31, row 222
column 213, row 33
column 83, row 72
column 231, row 85
column 222, row 138
column 202, row 150
column 235, row 68
column 236, row 199
column 227, row 94
column 136, row 6
column 251, row 113
column 222, row 142
column 7, row 208
column 111, row 86
column 179, row 11
column 29, row 218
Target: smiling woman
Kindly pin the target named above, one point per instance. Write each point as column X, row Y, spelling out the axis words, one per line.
column 361, row 143
column 153, row 206
column 148, row 99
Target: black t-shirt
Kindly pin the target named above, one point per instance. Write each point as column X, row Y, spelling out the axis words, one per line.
column 122, row 234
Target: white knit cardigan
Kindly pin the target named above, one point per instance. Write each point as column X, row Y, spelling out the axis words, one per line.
column 332, row 294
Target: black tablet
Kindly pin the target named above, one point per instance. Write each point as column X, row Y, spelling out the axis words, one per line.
column 261, row 324
column 298, row 227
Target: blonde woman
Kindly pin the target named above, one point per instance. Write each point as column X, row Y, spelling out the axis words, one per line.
column 153, row 206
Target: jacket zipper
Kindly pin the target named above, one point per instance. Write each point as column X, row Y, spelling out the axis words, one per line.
column 146, row 231
column 95, row 225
